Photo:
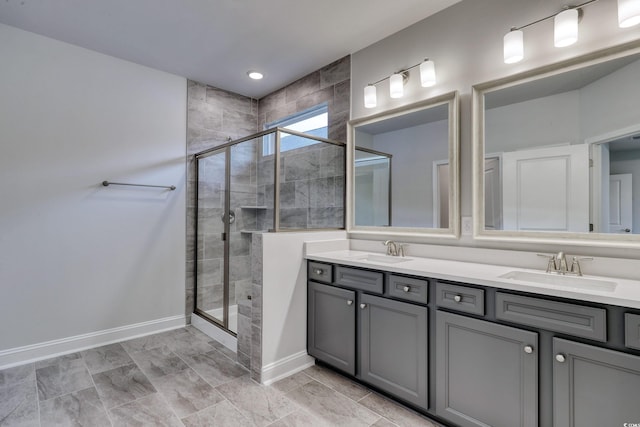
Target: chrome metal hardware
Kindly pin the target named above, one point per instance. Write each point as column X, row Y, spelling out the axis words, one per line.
column 401, row 247
column 349, row 302
column 528, row 349
column 575, row 265
column 406, row 288
column 457, row 298
column 392, row 248
column 561, row 358
column 558, row 264
column 232, row 216
column 551, row 262
column 318, row 271
column 363, row 306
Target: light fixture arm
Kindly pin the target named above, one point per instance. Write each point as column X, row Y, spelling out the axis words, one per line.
column 405, row 72
column 546, row 18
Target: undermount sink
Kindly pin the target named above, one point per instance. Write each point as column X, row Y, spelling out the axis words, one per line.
column 575, row 282
column 384, row 259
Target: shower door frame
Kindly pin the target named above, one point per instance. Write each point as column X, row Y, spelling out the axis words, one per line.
column 226, row 148
column 224, row 324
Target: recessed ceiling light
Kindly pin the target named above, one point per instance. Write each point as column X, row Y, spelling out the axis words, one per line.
column 254, row 75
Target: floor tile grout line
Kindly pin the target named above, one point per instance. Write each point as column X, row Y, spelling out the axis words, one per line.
column 35, row 380
column 98, row 393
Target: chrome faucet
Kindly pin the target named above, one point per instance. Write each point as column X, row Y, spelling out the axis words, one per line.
column 561, row 260
column 393, row 248
column 558, row 264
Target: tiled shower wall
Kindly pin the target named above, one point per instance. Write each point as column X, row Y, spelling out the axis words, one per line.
column 316, row 186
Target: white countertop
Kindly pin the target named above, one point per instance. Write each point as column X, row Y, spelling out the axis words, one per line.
column 626, row 293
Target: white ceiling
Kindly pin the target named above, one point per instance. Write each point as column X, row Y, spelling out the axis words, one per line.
column 218, row 41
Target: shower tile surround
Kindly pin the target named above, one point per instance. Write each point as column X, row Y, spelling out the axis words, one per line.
column 312, row 188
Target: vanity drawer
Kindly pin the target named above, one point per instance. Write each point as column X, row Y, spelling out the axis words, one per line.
column 632, row 330
column 407, row 288
column 573, row 319
column 460, row 298
column 370, row 281
column 320, row 272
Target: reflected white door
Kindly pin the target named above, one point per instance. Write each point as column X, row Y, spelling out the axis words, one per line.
column 546, row 189
column 492, row 194
column 620, row 204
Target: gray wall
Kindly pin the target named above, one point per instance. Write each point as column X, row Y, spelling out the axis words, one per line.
column 77, row 258
column 414, row 150
column 465, row 42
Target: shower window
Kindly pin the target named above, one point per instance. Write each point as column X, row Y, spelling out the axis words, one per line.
column 314, row 122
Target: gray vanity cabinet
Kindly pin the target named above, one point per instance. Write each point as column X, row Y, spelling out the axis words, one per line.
column 393, row 347
column 331, row 326
column 487, row 374
column 585, row 379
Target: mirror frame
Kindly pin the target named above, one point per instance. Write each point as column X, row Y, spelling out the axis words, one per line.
column 451, row 99
column 478, row 117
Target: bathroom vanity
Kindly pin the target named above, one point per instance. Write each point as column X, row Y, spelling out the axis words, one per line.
column 473, row 346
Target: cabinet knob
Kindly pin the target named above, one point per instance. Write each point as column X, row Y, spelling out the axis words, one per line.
column 457, row 298
column 363, row 306
column 560, row 358
column 349, row 302
column 528, row 349
column 406, row 288
column 318, row 271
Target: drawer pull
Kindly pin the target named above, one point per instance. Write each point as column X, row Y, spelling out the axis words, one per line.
column 318, row 271
column 349, row 302
column 406, row 288
column 363, row 306
column 528, row 349
column 457, row 298
column 560, row 358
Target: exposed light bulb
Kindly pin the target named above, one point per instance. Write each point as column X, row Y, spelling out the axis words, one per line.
column 427, row 73
column 565, row 28
column 396, row 83
column 513, row 47
column 628, row 13
column 370, row 96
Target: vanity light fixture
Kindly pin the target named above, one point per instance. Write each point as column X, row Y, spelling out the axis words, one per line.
column 370, row 96
column 565, row 28
column 513, row 46
column 396, row 85
column 628, row 13
column 398, row 80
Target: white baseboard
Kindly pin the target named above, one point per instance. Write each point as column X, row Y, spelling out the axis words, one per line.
column 214, row 332
column 40, row 351
column 284, row 367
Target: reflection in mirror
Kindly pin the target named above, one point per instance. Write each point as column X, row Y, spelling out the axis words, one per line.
column 562, row 152
column 415, row 192
column 404, row 170
column 372, row 175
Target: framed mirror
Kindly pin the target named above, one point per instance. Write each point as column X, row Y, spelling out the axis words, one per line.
column 403, row 170
column 557, row 152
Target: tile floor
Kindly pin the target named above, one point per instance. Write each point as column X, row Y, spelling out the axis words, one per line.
column 182, row 378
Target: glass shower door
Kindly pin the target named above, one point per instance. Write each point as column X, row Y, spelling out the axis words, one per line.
column 212, row 228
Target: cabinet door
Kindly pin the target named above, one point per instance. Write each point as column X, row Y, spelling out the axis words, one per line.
column 393, row 347
column 487, row 374
column 594, row 387
column 331, row 326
